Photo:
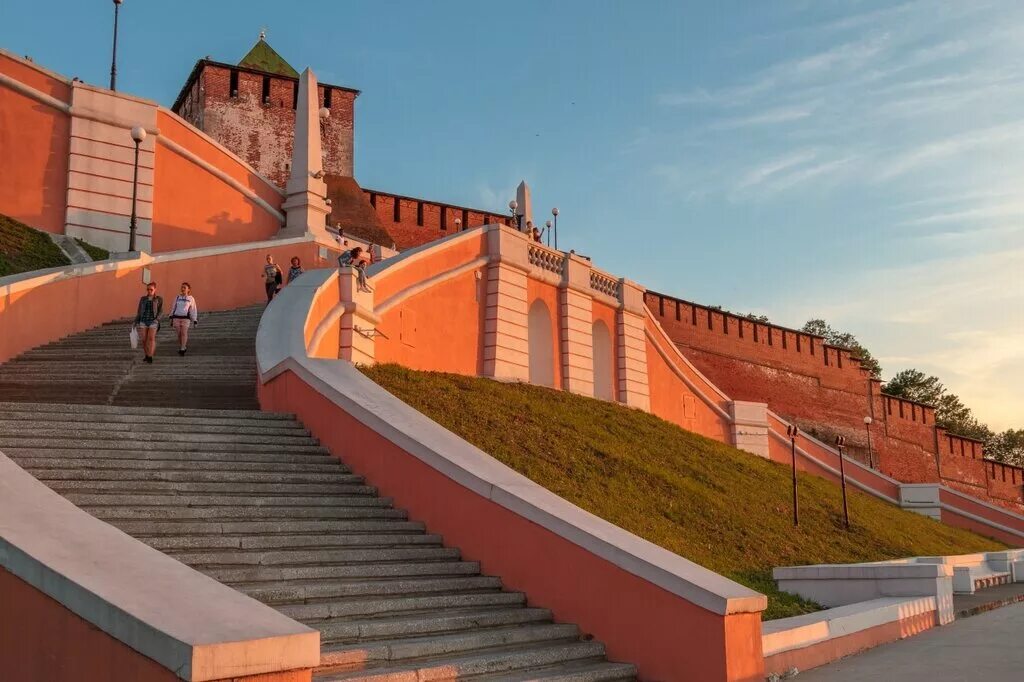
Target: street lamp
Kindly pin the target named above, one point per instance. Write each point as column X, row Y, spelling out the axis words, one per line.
column 113, row 59
column 554, row 212
column 840, row 442
column 138, row 135
column 792, row 431
column 512, row 206
column 458, row 224
column 547, row 228
column 867, row 427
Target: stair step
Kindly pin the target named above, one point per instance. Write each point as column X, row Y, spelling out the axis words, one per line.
column 348, row 630
column 497, row 660
column 295, row 590
column 8, row 407
column 170, row 544
column 161, row 527
column 137, row 477
column 373, row 654
column 263, row 489
column 238, row 575
column 247, row 513
column 328, row 555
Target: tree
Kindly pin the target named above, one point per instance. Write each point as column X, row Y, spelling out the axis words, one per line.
column 847, row 340
column 950, row 412
column 1007, row 446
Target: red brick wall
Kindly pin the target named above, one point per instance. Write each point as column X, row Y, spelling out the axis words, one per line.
column 261, row 133
column 825, row 391
column 421, row 221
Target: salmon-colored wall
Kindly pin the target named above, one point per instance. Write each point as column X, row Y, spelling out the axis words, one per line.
column 535, row 289
column 833, row 649
column 639, row 622
column 420, row 268
column 193, row 208
column 34, row 146
column 40, row 639
column 440, row 329
column 218, row 282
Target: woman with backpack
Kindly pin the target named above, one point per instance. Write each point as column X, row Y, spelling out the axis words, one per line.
column 147, row 320
column 184, row 314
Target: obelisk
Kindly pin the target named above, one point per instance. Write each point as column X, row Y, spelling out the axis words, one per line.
column 304, row 204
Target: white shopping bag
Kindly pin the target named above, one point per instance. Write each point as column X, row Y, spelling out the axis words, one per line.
column 133, row 337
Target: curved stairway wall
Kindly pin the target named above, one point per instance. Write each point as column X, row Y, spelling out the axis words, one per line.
column 649, row 606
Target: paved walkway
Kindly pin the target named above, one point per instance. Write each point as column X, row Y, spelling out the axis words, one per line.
column 985, row 647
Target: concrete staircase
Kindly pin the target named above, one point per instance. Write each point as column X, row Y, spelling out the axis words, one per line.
column 252, row 500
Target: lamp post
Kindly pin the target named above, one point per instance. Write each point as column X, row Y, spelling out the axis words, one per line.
column 113, row 59
column 867, row 427
column 792, row 431
column 138, row 134
column 840, row 442
column 554, row 212
column 547, row 229
column 458, row 224
column 512, row 206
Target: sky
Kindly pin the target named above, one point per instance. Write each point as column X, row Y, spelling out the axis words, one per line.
column 854, row 161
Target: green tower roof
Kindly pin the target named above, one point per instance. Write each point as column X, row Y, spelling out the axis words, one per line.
column 263, row 57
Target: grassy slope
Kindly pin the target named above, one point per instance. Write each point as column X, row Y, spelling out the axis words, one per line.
column 95, row 252
column 717, row 506
column 23, row 249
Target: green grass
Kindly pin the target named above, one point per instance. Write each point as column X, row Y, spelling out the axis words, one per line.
column 715, row 505
column 95, row 252
column 23, row 249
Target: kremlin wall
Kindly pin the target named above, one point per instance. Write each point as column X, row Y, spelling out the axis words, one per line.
column 474, row 297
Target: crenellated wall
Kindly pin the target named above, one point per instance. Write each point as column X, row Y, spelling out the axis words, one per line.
column 824, row 390
column 412, row 222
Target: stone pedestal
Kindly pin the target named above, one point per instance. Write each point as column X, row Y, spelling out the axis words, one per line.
column 632, row 347
column 506, row 344
column 305, row 206
column 750, row 427
column 358, row 322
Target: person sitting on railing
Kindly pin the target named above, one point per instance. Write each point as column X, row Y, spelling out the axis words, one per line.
column 358, row 259
column 537, row 235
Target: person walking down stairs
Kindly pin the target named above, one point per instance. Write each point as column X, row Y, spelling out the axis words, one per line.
column 147, row 320
column 184, row 314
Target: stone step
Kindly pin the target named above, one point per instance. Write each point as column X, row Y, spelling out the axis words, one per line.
column 577, row 671
column 352, row 630
column 265, row 504
column 169, row 543
column 7, row 408
column 21, row 427
column 295, row 590
column 376, row 606
column 221, row 463
column 248, row 513
column 492, row 661
column 161, row 475
column 102, row 440
column 144, row 529
column 374, row 654
column 281, row 492
column 239, row 576
column 298, row 557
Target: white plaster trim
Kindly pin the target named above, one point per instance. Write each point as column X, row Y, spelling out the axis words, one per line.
column 679, row 354
column 280, row 347
column 184, row 620
column 798, row 632
column 26, row 281
column 410, row 291
column 207, row 251
column 410, row 256
column 32, row 93
column 221, row 148
column 222, row 175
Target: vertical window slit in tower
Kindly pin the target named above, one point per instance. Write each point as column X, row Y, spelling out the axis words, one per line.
column 398, row 210
column 233, row 84
column 465, row 219
column 678, row 312
column 444, row 218
column 327, row 97
column 295, row 95
column 266, row 89
column 419, row 213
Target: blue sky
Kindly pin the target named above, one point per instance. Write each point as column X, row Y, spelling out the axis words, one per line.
column 857, row 161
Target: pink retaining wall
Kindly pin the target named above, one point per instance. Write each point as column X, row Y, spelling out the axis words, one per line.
column 40, row 639
column 220, row 281
column 661, row 633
